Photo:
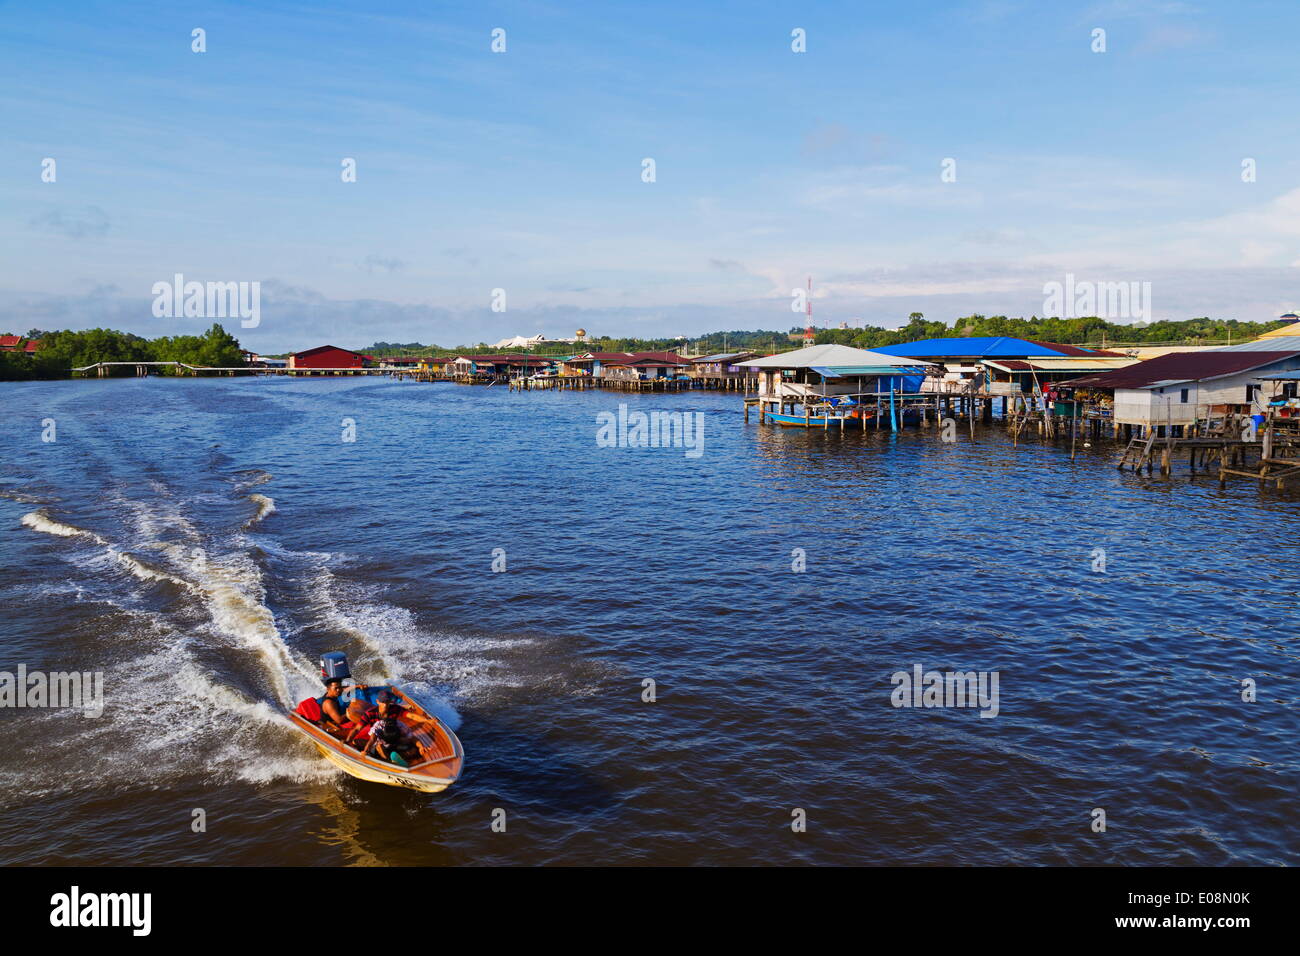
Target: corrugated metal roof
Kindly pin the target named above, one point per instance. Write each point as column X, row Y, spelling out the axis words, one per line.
column 720, row 356
column 1000, row 346
column 325, row 348
column 663, row 358
column 650, row 360
column 506, row 359
column 1184, row 367
column 1097, row 364
column 1279, row 343
column 1010, row 365
column 843, row 371
column 829, row 355
column 1076, row 350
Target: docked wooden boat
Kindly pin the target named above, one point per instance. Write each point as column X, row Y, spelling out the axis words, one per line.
column 441, row 755
column 859, row 417
column 835, row 386
column 853, row 417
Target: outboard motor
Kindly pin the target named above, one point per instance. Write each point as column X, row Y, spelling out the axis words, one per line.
column 334, row 666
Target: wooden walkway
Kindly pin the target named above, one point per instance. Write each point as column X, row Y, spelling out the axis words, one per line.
column 102, row 369
column 577, row 383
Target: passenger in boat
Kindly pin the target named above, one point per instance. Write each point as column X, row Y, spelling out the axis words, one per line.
column 331, row 711
column 391, row 741
column 360, row 718
column 390, row 705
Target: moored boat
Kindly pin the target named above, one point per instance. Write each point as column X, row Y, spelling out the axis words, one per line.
column 859, row 417
column 835, row 386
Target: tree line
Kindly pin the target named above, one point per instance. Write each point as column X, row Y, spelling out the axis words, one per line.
column 61, row 352
column 1078, row 331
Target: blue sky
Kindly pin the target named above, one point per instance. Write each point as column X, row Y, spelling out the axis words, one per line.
column 522, row 170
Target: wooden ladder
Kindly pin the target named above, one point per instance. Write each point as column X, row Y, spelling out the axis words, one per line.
column 1142, row 446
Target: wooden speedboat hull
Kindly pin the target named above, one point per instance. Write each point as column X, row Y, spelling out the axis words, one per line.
column 429, row 776
column 821, row 421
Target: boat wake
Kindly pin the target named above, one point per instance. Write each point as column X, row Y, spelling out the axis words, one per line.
column 40, row 520
column 205, row 640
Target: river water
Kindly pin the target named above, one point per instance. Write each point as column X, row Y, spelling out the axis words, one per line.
column 201, row 542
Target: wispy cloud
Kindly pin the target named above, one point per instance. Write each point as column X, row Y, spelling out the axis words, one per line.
column 373, row 263
column 80, row 223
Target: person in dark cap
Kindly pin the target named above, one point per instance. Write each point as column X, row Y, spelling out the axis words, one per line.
column 390, row 740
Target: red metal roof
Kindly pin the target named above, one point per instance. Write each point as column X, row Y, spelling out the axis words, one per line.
column 1182, row 367
column 10, row 341
column 323, row 348
column 664, row 358
column 32, row 345
column 648, row 362
column 645, row 358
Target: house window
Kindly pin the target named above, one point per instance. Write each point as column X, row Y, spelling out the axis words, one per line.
column 1251, row 391
column 1183, row 397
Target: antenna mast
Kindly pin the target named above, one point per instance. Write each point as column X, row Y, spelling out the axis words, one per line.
column 808, row 336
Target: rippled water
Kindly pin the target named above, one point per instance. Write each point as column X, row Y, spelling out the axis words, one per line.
column 202, row 541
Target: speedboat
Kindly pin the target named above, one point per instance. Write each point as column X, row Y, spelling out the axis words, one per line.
column 441, row 756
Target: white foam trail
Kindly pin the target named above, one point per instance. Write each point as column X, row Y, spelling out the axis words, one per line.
column 211, row 728
column 232, row 590
column 204, row 728
column 22, row 497
column 265, row 506
column 253, row 479
column 153, row 520
column 147, row 572
column 197, row 686
column 165, row 719
column 40, row 520
column 425, row 662
column 301, row 765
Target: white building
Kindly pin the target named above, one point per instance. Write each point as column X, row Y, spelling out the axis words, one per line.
column 1185, row 387
column 532, row 341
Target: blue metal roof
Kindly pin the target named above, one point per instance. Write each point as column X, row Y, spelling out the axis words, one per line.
column 1000, row 346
